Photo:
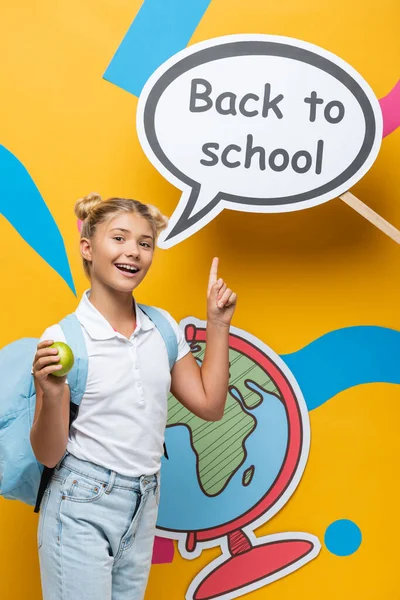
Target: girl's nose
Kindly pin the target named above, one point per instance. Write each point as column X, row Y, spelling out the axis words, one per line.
column 133, row 250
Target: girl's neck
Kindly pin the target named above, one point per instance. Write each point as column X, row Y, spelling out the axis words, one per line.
column 116, row 307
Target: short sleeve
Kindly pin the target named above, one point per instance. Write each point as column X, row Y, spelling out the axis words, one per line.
column 55, row 333
column 183, row 346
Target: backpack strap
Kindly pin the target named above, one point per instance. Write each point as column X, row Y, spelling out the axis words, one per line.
column 77, row 378
column 166, row 330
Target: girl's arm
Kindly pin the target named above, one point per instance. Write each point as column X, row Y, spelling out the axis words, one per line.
column 49, row 432
column 203, row 390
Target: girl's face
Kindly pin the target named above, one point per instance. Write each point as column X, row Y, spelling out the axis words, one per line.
column 120, row 252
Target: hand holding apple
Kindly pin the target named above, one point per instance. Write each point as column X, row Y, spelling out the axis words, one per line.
column 66, row 358
column 52, row 359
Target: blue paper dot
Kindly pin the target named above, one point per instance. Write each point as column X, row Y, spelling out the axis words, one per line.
column 343, row 537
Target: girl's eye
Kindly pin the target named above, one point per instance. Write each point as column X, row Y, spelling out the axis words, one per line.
column 145, row 245
column 119, row 238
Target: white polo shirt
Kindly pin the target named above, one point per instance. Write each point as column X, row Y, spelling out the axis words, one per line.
column 123, row 413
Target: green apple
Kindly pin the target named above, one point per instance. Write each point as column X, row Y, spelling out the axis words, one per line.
column 66, row 358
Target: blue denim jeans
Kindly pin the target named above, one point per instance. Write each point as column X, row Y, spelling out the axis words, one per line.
column 96, row 533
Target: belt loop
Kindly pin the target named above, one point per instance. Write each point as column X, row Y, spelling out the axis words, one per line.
column 111, row 482
column 157, row 487
column 60, row 461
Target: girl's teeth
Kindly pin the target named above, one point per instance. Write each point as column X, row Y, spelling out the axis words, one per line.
column 129, row 268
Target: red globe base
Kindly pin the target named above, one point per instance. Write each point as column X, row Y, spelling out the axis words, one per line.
column 255, row 564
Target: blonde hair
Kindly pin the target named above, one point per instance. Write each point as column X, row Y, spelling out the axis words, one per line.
column 93, row 210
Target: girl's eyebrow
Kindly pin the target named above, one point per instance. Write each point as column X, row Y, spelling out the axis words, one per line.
column 120, row 229
column 150, row 237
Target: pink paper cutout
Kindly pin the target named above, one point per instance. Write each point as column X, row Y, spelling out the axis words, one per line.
column 390, row 106
column 163, row 551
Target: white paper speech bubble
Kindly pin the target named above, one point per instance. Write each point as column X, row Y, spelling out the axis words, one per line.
column 256, row 123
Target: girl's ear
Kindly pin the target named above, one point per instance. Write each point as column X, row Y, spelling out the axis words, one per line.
column 86, row 249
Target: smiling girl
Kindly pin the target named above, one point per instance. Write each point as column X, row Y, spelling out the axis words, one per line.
column 96, row 532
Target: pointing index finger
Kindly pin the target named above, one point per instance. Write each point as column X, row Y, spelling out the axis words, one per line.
column 213, row 273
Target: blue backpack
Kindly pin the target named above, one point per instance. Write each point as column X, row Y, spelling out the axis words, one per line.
column 22, row 477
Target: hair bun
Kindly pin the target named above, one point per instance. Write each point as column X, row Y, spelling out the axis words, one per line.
column 160, row 220
column 84, row 205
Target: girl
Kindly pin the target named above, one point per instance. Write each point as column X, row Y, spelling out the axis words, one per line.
column 98, row 514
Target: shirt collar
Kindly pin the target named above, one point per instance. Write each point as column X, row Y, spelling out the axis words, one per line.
column 143, row 322
column 98, row 327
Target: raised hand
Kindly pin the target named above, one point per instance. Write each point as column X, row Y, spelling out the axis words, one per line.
column 221, row 301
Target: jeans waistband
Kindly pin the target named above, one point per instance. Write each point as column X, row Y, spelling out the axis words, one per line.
column 106, row 476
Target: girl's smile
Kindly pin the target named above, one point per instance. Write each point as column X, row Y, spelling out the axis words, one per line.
column 127, row 269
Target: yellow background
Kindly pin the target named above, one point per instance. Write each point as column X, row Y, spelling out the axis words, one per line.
column 298, row 275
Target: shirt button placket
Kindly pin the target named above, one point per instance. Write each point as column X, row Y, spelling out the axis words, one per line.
column 138, row 383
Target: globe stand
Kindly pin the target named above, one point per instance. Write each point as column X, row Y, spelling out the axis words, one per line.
column 249, row 564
